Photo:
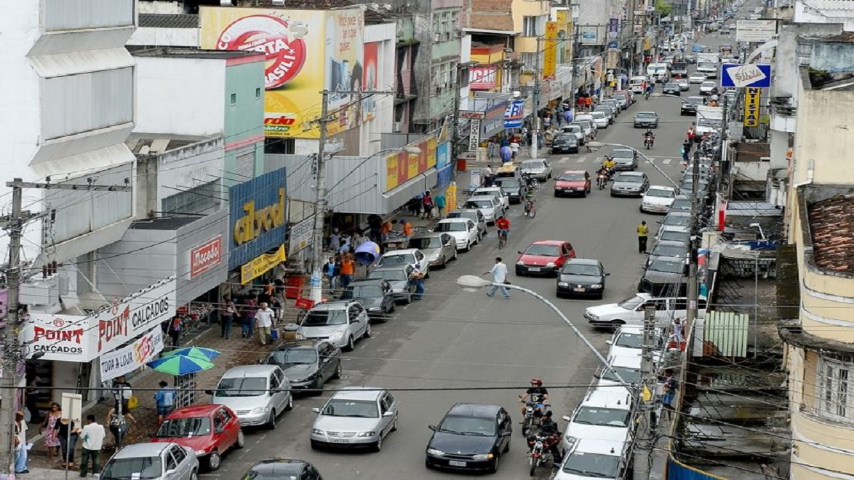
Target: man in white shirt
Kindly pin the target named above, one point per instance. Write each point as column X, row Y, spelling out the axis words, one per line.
column 264, row 321
column 93, row 440
column 21, row 452
column 499, row 278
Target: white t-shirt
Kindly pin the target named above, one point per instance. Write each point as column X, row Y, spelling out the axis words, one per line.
column 93, row 436
column 499, row 272
column 264, row 318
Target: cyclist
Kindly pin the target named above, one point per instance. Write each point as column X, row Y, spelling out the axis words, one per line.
column 528, row 200
column 503, row 226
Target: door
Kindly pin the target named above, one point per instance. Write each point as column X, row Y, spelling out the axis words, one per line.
column 387, row 404
column 472, row 230
column 182, row 467
column 388, row 300
column 327, row 366
column 357, row 326
column 232, row 426
column 276, row 397
column 219, row 436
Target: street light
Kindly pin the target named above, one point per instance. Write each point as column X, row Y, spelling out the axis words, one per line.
column 594, row 145
column 473, row 283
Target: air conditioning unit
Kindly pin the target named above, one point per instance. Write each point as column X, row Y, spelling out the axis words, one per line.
column 395, row 127
column 278, row 3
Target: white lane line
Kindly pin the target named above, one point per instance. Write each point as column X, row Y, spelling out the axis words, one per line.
column 666, row 161
column 581, row 160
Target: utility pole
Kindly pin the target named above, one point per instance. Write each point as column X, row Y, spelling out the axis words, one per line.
column 649, row 385
column 693, row 285
column 535, row 131
column 319, row 205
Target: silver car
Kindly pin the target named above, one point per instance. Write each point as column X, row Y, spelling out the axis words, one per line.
column 406, row 256
column 629, row 184
column 342, row 323
column 474, row 215
column 538, row 168
column 576, row 130
column 355, row 417
column 438, row 248
column 398, row 277
column 152, row 461
column 489, row 206
column 625, row 159
column 256, row 393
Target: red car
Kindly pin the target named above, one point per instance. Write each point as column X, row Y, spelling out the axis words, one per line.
column 572, row 182
column 209, row 430
column 544, row 257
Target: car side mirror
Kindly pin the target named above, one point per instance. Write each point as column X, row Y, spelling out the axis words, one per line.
column 520, row 252
column 566, row 417
column 432, row 427
column 609, row 342
column 219, row 429
column 607, row 274
column 209, row 392
column 388, row 414
column 315, row 410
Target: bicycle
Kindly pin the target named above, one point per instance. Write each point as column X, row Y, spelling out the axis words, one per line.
column 502, row 238
column 530, row 208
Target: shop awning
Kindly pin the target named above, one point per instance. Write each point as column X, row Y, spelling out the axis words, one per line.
column 398, row 196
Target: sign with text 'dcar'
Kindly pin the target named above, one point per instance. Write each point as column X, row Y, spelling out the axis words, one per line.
column 749, row 75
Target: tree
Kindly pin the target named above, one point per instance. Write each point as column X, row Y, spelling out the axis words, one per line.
column 662, row 8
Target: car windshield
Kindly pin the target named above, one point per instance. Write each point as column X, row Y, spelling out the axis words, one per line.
column 660, row 192
column 564, row 138
column 598, row 114
column 706, row 65
column 572, row 128
column 474, row 203
column 674, row 236
column 351, row 408
column 242, row 387
column 425, row 242
column 696, row 100
column 532, row 164
column 645, row 115
column 580, row 269
column 671, row 85
column 396, row 259
column 623, row 154
column 707, row 85
column 543, row 250
column 321, row 318
column 570, row 177
column 708, row 122
column 390, row 275
column 133, row 468
column 184, row 427
column 631, row 303
column 484, row 193
column 594, row 465
column 450, row 227
column 362, row 291
column 630, row 375
column 666, row 266
column 508, row 183
column 629, row 179
column 669, row 251
column 676, row 220
column 681, row 204
column 478, row 427
column 294, row 356
column 610, row 417
column 629, row 340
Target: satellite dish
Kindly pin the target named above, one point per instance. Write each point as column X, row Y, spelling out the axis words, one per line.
column 367, row 253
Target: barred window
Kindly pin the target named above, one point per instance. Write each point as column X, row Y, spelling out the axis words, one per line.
column 833, row 387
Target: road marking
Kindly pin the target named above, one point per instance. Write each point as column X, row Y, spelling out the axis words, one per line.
column 581, row 160
column 666, row 161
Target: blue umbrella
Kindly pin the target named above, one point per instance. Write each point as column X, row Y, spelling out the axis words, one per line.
column 195, row 352
column 180, row 365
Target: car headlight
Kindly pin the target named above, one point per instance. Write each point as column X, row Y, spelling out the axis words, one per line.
column 396, row 290
column 562, row 284
column 315, row 431
column 596, row 285
column 570, row 441
column 482, row 456
column 433, row 451
column 550, row 264
column 593, row 317
column 366, row 434
column 520, row 262
column 257, row 410
column 337, row 335
column 200, row 452
column 374, row 309
column 433, row 257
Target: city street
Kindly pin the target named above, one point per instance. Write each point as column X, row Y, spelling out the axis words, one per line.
column 456, row 340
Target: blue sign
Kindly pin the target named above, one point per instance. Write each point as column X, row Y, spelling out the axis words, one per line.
column 749, row 75
column 613, row 45
column 258, row 217
column 443, row 155
column 514, row 114
column 444, row 177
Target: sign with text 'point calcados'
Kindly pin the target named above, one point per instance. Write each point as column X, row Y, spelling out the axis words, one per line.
column 749, row 75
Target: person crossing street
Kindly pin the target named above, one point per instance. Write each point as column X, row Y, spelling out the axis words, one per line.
column 499, row 278
column 643, row 232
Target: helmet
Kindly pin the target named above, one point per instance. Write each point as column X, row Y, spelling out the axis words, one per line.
column 537, row 381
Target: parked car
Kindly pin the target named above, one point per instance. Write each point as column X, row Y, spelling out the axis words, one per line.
column 646, row 120
column 572, row 182
column 374, row 295
column 398, row 277
column 625, row 159
column 576, row 130
column 256, row 393
column 490, row 206
column 512, row 187
column 614, row 104
column 665, row 277
column 670, row 250
column 672, row 89
column 342, row 323
column 152, row 461
column 707, row 87
column 673, row 235
column 628, row 367
column 581, row 277
column 697, row 78
column 682, row 203
column 607, row 111
column 538, row 168
column 630, row 96
column 689, row 107
column 544, row 257
column 676, row 219
column 631, row 311
column 629, row 184
column 405, row 256
column 588, row 128
column 593, row 458
column 308, row 364
column 604, row 413
column 657, row 199
column 355, row 417
column 207, row 430
column 282, row 468
column 463, row 230
column 474, row 215
column 470, row 437
column 600, row 119
column 438, row 248
column 496, row 192
column 628, row 341
column 564, row 143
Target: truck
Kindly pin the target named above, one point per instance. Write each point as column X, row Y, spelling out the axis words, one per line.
column 707, row 63
column 709, row 57
column 709, row 119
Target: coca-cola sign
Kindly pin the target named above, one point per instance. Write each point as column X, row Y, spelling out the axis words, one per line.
column 205, row 256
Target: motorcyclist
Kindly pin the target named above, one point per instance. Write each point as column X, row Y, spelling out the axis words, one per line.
column 648, row 135
column 603, row 172
column 528, row 200
column 549, row 428
column 609, row 165
column 538, row 394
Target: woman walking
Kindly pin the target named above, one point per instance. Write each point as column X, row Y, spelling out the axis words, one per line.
column 117, row 419
column 50, row 427
column 227, row 315
column 68, row 434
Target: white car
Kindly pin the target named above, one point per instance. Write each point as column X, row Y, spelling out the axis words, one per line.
column 495, row 192
column 463, row 230
column 707, row 87
column 341, row 323
column 657, row 199
column 600, row 119
column 604, row 414
column 576, row 130
column 628, row 367
column 631, row 311
column 406, row 256
column 488, row 205
column 628, row 341
column 697, row 77
column 683, row 84
column 597, row 459
column 586, row 117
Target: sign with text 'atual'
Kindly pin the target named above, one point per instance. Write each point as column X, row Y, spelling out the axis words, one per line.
column 749, row 75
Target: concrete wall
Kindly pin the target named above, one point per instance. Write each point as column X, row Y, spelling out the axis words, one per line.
column 824, row 136
column 188, row 167
column 166, row 37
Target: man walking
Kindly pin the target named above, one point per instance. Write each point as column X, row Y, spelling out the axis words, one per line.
column 643, row 231
column 499, row 277
column 165, row 399
column 264, row 321
column 417, row 279
column 93, row 441
column 440, row 204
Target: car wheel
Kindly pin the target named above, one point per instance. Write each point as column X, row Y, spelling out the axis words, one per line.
column 408, row 298
column 494, row 467
column 241, row 439
column 368, row 330
column 617, row 323
column 194, row 475
column 391, row 308
column 584, row 194
column 290, row 405
column 315, row 445
column 641, row 209
column 318, row 385
column 351, row 344
column 271, row 422
column 214, row 461
column 444, row 261
column 379, row 445
column 337, row 373
column 468, row 246
column 394, row 424
column 427, row 274
column 455, row 254
column 427, row 465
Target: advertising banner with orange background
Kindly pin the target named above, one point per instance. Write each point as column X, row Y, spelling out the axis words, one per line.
column 550, row 51
column 402, row 166
column 307, row 51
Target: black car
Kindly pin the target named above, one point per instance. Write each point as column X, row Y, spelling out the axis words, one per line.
column 582, row 277
column 669, row 250
column 689, row 107
column 566, row 142
column 665, row 277
column 279, row 468
column 672, row 89
column 512, row 187
column 308, row 364
column 374, row 294
column 646, row 120
column 470, row 437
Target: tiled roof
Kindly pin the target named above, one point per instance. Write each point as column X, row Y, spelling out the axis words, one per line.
column 832, row 227
column 158, row 20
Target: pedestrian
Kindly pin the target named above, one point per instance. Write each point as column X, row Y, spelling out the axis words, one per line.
column 440, row 204
column 427, row 202
column 123, row 390
column 643, row 232
column 175, row 330
column 348, row 269
column 331, row 269
column 588, row 103
column 499, row 278
column 514, row 149
column 164, row 398
column 21, row 451
column 117, row 419
column 264, row 322
column 227, row 312
column 68, row 434
column 345, row 244
column 414, row 206
column 488, row 176
column 32, row 400
column 686, row 148
column 505, row 153
column 93, row 441
column 676, row 332
column 417, row 279
column 357, row 240
column 491, row 149
column 50, row 427
column 247, row 323
column 406, row 227
column 670, row 386
column 385, row 230
column 334, row 240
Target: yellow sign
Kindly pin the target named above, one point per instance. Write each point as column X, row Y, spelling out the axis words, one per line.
column 751, row 106
column 550, row 51
column 261, row 264
column 255, row 222
column 402, row 166
column 451, row 196
column 307, row 51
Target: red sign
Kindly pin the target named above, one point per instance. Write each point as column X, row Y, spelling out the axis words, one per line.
column 304, row 303
column 205, row 256
column 483, row 77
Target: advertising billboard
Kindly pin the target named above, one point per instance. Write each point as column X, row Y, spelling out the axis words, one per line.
column 550, row 51
column 755, row 31
column 371, row 82
column 258, row 216
column 137, row 354
column 205, row 256
column 590, row 35
column 514, row 113
column 403, row 166
column 307, row 51
column 483, row 77
column 749, row 75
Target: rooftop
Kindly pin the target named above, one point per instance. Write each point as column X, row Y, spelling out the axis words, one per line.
column 171, row 20
column 832, row 226
column 194, row 53
column 163, row 223
column 156, row 143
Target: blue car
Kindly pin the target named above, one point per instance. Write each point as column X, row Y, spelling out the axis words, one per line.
column 698, row 48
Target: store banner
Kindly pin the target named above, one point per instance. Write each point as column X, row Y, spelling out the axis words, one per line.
column 258, row 214
column 371, row 80
column 483, row 77
column 514, row 113
column 402, row 166
column 550, row 51
column 261, row 265
column 443, row 154
column 751, row 106
column 129, row 358
column 205, row 256
column 58, row 337
column 301, row 236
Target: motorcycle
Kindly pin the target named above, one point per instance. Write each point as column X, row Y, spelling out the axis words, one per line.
column 540, row 453
column 648, row 141
column 602, row 181
column 531, row 182
column 530, row 208
column 533, row 414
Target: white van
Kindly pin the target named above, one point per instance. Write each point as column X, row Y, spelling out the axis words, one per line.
column 658, row 72
column 636, row 84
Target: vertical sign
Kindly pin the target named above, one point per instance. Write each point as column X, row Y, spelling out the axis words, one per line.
column 474, row 134
column 613, row 28
column 751, row 106
column 550, row 51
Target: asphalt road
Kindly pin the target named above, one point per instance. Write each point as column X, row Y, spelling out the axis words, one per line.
column 464, row 340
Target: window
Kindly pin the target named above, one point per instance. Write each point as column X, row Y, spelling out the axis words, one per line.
column 833, row 390
column 234, row 99
column 529, row 26
column 258, row 93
